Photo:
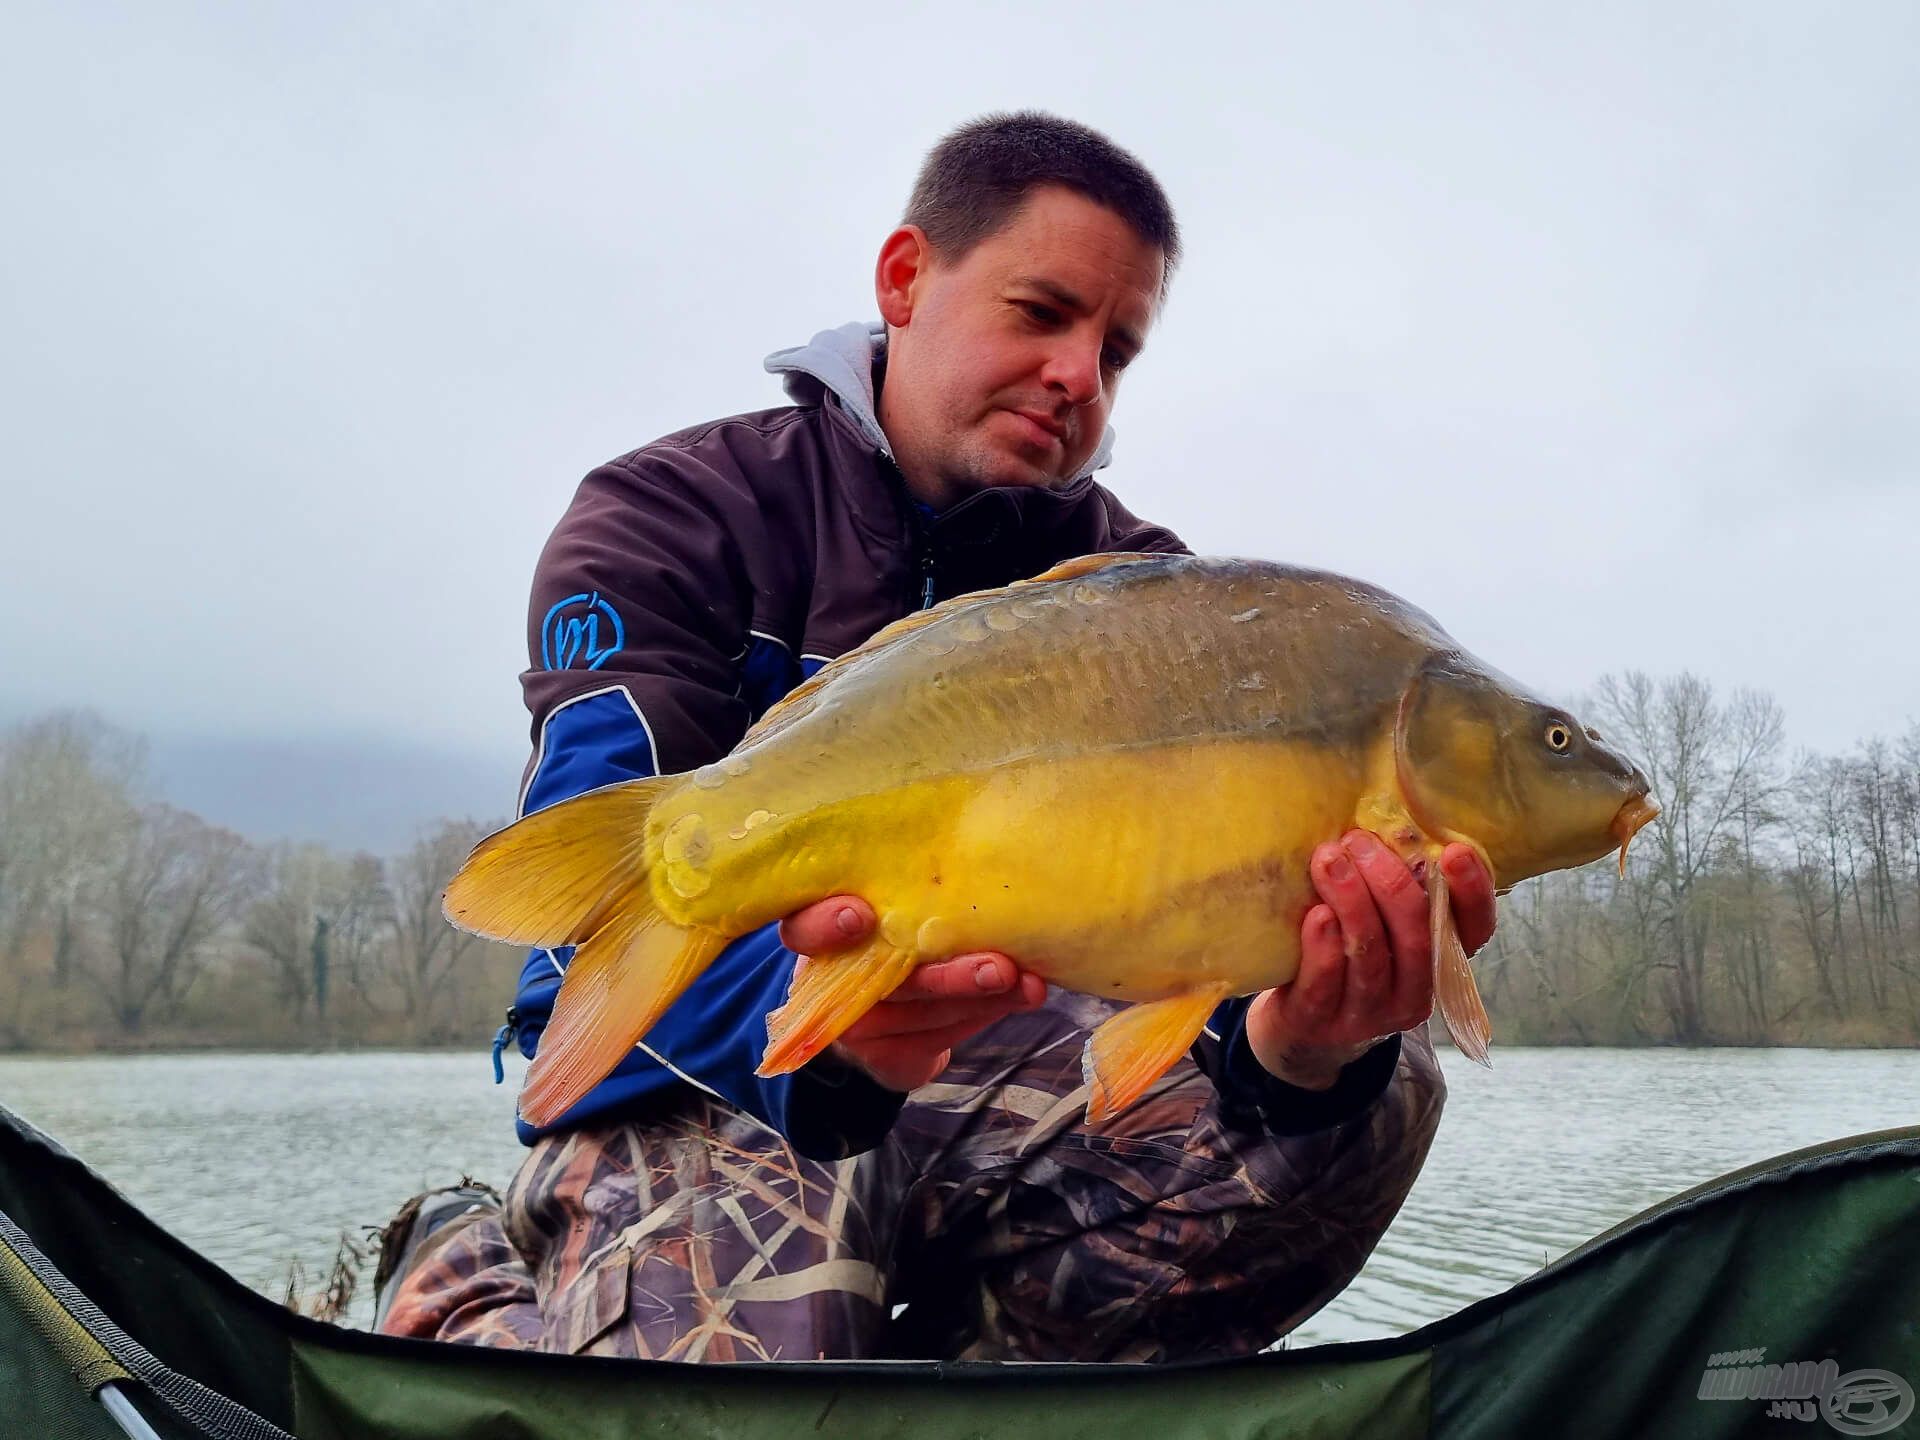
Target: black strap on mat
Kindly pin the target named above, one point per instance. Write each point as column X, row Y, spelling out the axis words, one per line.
column 207, row 1411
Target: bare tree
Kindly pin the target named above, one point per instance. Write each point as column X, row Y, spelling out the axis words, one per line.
column 360, row 928
column 1878, row 804
column 66, row 782
column 1745, row 898
column 427, row 951
column 1817, row 820
column 172, row 885
column 301, row 890
column 1705, row 761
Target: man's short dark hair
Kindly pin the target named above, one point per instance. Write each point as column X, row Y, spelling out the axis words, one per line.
column 975, row 179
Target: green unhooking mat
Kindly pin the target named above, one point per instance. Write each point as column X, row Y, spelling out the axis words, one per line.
column 1783, row 1299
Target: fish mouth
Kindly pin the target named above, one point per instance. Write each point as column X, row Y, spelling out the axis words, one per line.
column 1633, row 816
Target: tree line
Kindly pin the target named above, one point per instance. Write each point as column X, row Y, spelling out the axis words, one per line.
column 125, row 921
column 1775, row 900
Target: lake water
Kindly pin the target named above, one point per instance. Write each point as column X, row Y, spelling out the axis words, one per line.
column 263, row 1160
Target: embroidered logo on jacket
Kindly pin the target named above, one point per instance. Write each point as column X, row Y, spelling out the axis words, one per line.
column 580, row 632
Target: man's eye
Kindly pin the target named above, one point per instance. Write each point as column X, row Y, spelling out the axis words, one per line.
column 1044, row 314
column 1114, row 360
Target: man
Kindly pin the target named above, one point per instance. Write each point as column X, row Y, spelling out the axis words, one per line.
column 935, row 1158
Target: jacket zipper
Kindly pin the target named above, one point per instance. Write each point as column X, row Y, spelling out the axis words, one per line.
column 922, row 547
column 918, row 529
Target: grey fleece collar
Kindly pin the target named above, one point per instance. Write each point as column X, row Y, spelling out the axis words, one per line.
column 842, row 360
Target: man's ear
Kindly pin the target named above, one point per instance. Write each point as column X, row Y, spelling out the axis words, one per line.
column 905, row 256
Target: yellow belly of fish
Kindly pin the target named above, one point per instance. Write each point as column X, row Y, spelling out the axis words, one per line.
column 1134, row 874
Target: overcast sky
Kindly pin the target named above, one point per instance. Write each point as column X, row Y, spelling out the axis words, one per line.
column 1595, row 334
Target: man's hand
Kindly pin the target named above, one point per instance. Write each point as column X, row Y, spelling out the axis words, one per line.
column 1366, row 958
column 908, row 1038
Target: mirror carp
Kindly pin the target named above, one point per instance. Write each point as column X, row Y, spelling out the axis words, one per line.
column 1116, row 773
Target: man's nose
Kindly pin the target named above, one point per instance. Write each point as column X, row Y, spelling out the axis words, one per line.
column 1073, row 371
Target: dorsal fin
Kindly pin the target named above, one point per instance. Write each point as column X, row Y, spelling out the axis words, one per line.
column 1083, row 565
column 799, row 701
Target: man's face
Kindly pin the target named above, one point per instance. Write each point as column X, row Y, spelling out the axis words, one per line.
column 1002, row 365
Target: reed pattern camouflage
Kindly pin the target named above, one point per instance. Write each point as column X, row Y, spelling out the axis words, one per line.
column 1009, row 1228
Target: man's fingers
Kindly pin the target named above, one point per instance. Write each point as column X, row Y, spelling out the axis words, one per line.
column 907, row 1039
column 1474, row 907
column 962, row 977
column 904, row 1064
column 920, row 1042
column 1401, row 903
column 1313, row 997
column 1338, row 880
column 828, row 926
column 908, row 1060
column 910, row 1070
column 918, row 1016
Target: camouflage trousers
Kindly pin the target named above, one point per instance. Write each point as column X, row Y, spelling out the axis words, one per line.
column 1007, row 1227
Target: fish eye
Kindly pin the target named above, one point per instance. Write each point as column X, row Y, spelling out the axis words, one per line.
column 1559, row 736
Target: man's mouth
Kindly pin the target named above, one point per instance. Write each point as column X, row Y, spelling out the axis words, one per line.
column 1043, row 429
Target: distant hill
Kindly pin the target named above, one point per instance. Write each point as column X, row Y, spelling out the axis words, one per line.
column 348, row 794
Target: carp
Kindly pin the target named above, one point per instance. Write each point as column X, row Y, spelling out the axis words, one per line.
column 1116, row 773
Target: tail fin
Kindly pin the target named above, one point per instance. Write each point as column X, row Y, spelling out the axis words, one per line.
column 546, row 880
column 576, row 874
column 622, row 979
column 1454, row 992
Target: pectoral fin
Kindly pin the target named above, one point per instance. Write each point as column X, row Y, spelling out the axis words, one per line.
column 1127, row 1053
column 827, row 996
column 1454, row 993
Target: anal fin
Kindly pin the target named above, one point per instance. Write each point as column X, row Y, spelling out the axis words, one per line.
column 1454, row 993
column 1127, row 1053
column 621, row 980
column 827, row 996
